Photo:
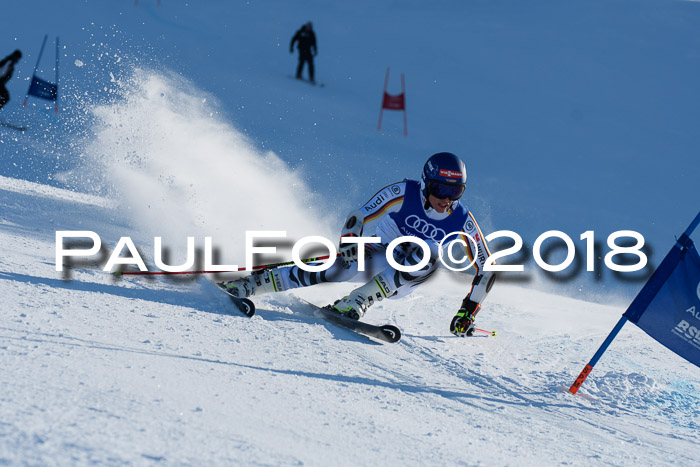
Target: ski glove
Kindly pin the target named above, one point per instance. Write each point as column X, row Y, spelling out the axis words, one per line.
column 462, row 324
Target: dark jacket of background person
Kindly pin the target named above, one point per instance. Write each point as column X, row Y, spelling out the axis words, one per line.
column 306, row 41
column 7, row 67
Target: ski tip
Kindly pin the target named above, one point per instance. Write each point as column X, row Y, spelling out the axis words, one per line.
column 246, row 306
column 391, row 333
column 493, row 333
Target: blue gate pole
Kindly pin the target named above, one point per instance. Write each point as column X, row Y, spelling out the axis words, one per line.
column 56, row 103
column 41, row 52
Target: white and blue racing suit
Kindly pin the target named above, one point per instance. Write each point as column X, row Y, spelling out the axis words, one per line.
column 400, row 210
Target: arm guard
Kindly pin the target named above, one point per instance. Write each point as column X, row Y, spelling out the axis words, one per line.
column 351, row 228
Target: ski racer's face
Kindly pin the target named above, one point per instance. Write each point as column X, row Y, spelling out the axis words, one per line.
column 440, row 205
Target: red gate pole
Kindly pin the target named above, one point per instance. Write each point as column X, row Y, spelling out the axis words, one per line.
column 381, row 109
column 403, row 93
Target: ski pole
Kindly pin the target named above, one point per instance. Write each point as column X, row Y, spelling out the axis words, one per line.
column 493, row 333
column 255, row 268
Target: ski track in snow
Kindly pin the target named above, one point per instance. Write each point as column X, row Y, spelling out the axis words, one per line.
column 135, row 370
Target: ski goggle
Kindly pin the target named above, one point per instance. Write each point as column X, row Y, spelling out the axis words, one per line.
column 442, row 190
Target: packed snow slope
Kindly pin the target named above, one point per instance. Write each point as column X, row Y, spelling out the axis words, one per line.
column 114, row 371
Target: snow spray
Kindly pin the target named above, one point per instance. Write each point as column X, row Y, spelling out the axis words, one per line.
column 178, row 170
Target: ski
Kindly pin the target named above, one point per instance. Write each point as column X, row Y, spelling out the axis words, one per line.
column 386, row 332
column 304, row 80
column 14, row 127
column 244, row 305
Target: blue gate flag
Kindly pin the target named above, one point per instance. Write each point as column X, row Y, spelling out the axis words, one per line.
column 668, row 308
column 43, row 89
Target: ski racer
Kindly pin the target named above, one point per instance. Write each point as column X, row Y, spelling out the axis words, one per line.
column 430, row 209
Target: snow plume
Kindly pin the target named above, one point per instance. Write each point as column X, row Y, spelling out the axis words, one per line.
column 178, row 170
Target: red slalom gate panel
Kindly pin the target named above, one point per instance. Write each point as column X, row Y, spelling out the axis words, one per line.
column 394, row 102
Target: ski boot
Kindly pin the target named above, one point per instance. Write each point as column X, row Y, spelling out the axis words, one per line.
column 258, row 283
column 355, row 305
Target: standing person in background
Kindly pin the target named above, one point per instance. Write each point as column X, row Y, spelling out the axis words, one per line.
column 7, row 67
column 307, row 49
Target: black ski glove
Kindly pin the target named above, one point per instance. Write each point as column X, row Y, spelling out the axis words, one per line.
column 462, row 324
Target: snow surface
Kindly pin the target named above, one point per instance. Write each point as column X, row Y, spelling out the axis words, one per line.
column 180, row 120
column 113, row 371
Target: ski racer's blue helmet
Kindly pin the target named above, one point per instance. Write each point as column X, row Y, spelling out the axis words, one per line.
column 444, row 176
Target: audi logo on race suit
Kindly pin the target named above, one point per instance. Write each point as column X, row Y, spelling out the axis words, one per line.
column 386, row 195
column 375, row 203
column 424, row 228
